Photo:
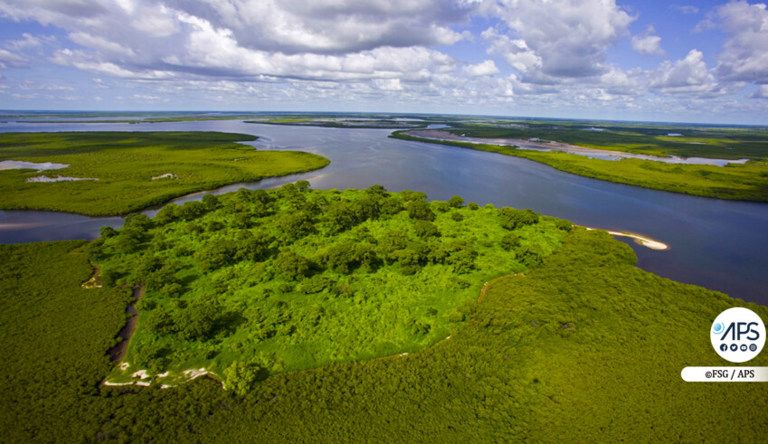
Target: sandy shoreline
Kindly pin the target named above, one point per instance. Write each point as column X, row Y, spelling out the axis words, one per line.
column 645, row 241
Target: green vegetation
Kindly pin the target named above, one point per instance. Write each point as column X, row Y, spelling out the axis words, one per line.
column 126, row 163
column 53, row 340
column 739, row 182
column 639, row 138
column 585, row 346
column 290, row 279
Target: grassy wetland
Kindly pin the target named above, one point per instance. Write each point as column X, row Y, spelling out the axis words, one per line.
column 129, row 171
column 296, row 314
column 748, row 181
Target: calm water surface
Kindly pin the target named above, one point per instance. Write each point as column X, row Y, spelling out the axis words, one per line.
column 722, row 245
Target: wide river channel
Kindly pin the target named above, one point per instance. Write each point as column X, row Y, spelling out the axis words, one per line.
column 722, row 245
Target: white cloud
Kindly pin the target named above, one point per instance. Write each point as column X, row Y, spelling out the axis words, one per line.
column 389, row 84
column 542, row 54
column 485, row 68
column 28, row 41
column 29, row 85
column 325, row 39
column 619, row 82
column 156, row 20
column 745, row 52
column 208, row 48
column 333, row 26
column 99, row 43
column 688, row 75
column 149, row 98
column 16, row 53
column 569, row 38
column 514, row 51
column 647, row 42
column 84, row 61
column 10, row 60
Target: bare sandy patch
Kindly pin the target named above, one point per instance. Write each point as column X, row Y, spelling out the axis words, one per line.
column 165, row 176
column 21, row 165
column 639, row 239
column 46, row 179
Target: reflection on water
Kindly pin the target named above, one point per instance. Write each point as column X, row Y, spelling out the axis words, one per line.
column 715, row 243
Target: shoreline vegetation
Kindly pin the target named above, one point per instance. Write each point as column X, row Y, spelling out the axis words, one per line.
column 532, row 352
column 537, row 144
column 748, row 182
column 131, row 171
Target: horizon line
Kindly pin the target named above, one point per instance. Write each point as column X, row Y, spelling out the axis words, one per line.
column 410, row 113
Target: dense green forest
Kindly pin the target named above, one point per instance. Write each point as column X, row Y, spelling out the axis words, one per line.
column 293, row 278
column 134, row 170
column 53, row 339
column 584, row 346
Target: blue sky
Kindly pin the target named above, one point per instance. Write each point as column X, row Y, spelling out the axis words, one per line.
column 702, row 61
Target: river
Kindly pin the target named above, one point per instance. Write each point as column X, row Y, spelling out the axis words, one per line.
column 718, row 244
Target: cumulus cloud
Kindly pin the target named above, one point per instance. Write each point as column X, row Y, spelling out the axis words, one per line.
column 688, row 75
column 561, row 38
column 745, row 53
column 541, row 53
column 323, row 39
column 514, row 51
column 647, row 42
column 332, row 26
column 208, row 49
column 485, row 68
column 622, row 83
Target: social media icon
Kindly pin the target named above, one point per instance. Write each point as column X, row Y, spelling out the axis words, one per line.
column 737, row 334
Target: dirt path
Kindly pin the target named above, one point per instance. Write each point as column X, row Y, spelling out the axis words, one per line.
column 117, row 352
column 94, row 281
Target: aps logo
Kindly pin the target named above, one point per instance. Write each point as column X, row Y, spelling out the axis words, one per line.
column 738, row 334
